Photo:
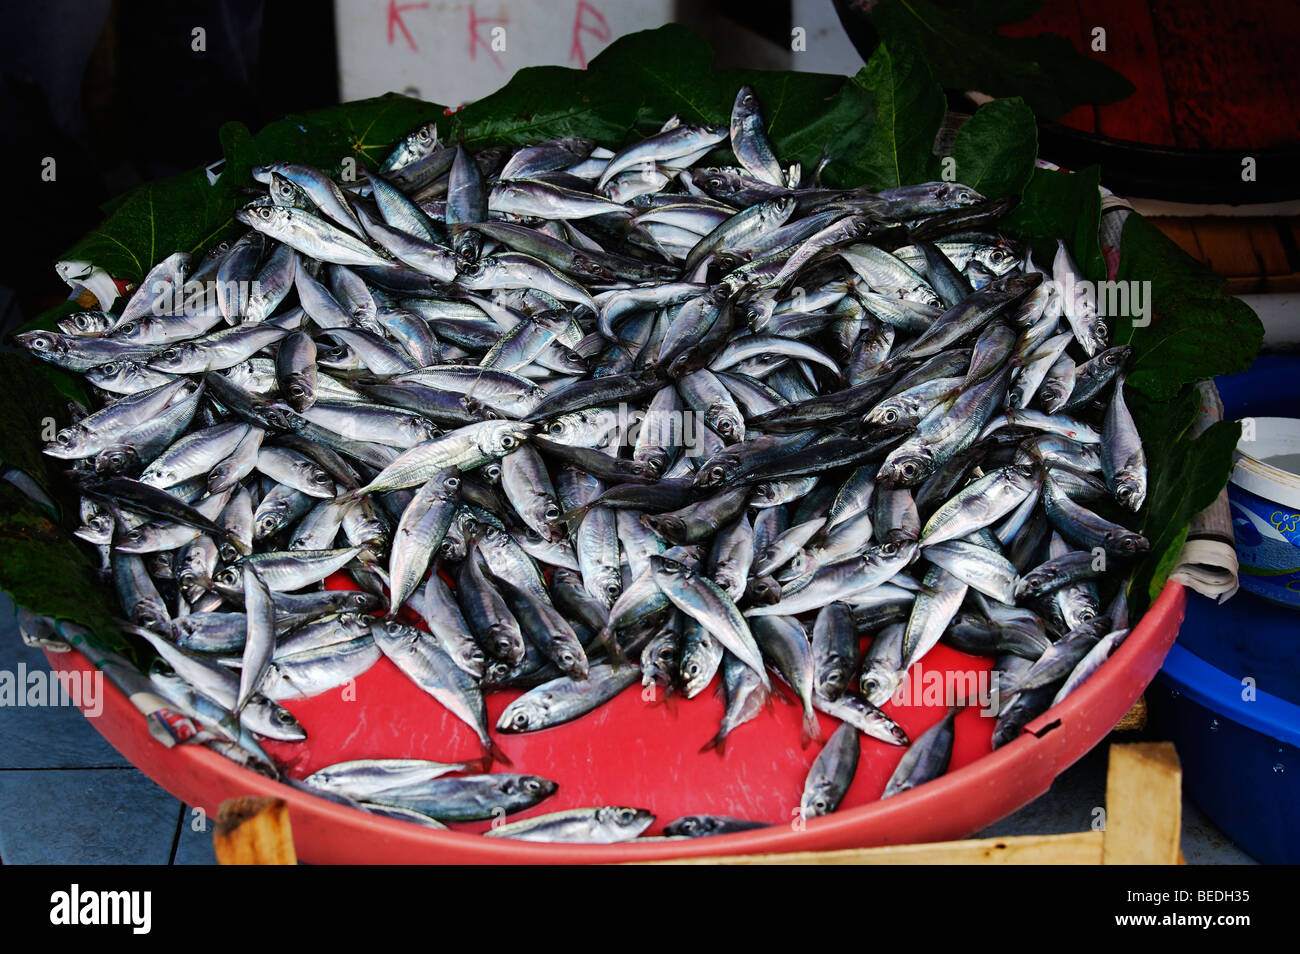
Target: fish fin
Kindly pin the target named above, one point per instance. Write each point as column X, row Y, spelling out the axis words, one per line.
column 811, row 730
column 571, row 518
column 612, row 647
column 493, row 753
column 718, row 744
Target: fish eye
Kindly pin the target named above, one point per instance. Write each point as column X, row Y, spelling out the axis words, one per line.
column 508, row 442
column 532, row 785
column 423, row 135
column 452, row 483
column 889, row 549
column 264, row 212
column 626, row 815
column 552, row 512
column 284, row 717
column 724, row 426
column 520, row 721
column 613, row 589
column 889, row 416
column 718, row 472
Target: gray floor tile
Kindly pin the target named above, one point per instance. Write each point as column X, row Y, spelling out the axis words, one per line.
column 84, row 816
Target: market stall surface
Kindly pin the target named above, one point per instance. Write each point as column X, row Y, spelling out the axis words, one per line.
column 67, row 797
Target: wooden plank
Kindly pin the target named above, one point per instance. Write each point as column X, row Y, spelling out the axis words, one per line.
column 1132, row 51
column 1143, row 805
column 1181, row 232
column 254, row 831
column 1078, row 848
column 1226, row 247
column 1266, row 242
column 1135, row 718
column 1273, row 284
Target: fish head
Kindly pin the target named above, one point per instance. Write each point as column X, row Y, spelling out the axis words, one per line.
column 746, row 102
column 763, row 589
column 998, row 259
column 906, row 469
column 498, row 438
column 117, row 459
column 229, row 581
column 1130, row 490
column 668, row 570
column 627, row 819
column 652, row 461
column 69, row 442
column 954, row 195
column 528, row 711
column 300, row 390
column 43, row 344
column 715, row 471
column 283, row 192
column 667, row 525
column 176, row 358
column 1127, row 542
column 533, row 786
column 86, row 323
column 693, row 826
column 886, row 414
column 878, row 683
column 729, row 425
column 265, row 218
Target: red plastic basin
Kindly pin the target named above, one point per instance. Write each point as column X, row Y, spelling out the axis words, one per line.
column 646, row 754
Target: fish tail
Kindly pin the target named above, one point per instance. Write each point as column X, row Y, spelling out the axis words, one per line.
column 611, row 645
column 572, row 518
column 812, row 730
column 717, row 744
column 493, row 753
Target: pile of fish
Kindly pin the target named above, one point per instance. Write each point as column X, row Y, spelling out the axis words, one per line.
column 597, row 418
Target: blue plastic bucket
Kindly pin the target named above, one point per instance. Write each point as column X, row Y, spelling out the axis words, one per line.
column 1228, row 695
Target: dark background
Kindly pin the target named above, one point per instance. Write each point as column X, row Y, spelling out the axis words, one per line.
column 114, row 92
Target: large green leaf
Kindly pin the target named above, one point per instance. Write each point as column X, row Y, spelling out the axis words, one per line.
column 994, row 151
column 959, row 42
column 1197, row 330
column 909, row 108
column 1061, row 205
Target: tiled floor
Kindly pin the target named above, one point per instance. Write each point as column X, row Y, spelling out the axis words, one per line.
column 66, row 797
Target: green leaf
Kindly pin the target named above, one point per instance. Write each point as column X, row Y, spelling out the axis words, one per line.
column 995, row 150
column 1196, row 329
column 170, row 215
column 45, row 572
column 23, row 426
column 1061, row 205
column 1184, row 477
column 909, row 108
column 959, row 42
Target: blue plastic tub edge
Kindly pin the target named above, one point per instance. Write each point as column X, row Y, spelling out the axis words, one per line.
column 1216, row 690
